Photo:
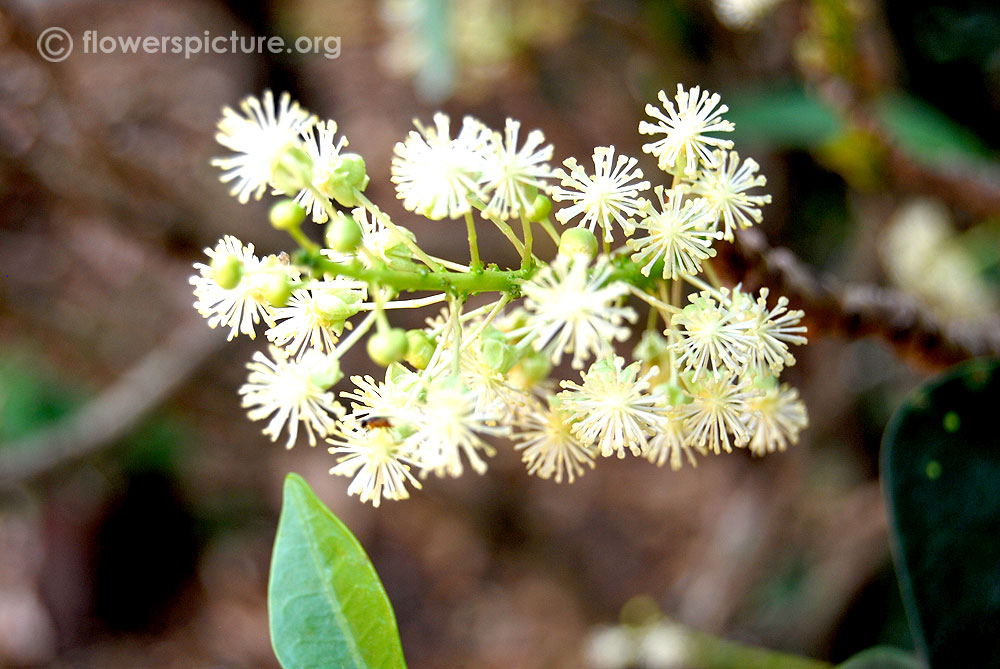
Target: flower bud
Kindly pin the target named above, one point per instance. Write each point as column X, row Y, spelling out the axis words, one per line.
column 286, row 215
column 227, row 270
column 387, row 347
column 335, row 310
column 419, row 349
column 531, row 370
column 275, row 287
column 497, row 354
column 291, row 170
column 347, row 175
column 576, row 241
column 343, row 233
column 324, row 369
column 540, row 209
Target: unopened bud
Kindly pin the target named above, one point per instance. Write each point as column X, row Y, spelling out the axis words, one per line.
column 227, row 270
column 539, row 209
column 287, row 214
column 343, row 233
column 578, row 241
column 291, row 170
column 347, row 176
column 419, row 349
column 387, row 347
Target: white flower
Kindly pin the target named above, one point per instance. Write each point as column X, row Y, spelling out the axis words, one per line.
column 724, row 188
column 377, row 459
column 258, row 137
column 612, row 409
column 437, row 176
column 772, row 330
column 670, row 442
column 609, row 195
column 573, row 310
column 720, row 406
column 447, row 426
column 741, row 14
column 779, row 415
column 515, row 176
column 241, row 307
column 388, row 399
column 711, row 336
column 551, row 450
column 315, row 316
column 680, row 234
column 289, row 392
column 684, row 128
column 324, row 148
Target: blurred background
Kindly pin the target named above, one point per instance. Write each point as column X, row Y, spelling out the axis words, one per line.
column 138, row 504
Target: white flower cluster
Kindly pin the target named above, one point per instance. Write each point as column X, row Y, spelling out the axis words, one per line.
column 702, row 379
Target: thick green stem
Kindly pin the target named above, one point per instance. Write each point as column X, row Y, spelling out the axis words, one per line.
column 465, row 283
column 550, row 229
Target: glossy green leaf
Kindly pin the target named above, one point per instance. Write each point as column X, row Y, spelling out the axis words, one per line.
column 326, row 604
column 882, row 658
column 941, row 481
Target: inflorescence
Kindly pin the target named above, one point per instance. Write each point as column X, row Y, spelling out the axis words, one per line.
column 703, row 375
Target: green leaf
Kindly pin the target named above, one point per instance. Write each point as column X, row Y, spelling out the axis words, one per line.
column 326, row 604
column 941, row 481
column 784, row 117
column 882, row 657
column 928, row 134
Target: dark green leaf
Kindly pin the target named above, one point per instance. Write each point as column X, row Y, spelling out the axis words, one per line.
column 882, row 658
column 927, row 134
column 326, row 605
column 941, row 480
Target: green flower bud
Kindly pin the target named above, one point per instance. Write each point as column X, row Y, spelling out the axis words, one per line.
column 291, row 170
column 387, row 347
column 275, row 287
column 347, row 175
column 324, row 370
column 578, row 241
column 497, row 354
column 419, row 348
column 335, row 310
column 227, row 271
column 675, row 394
column 531, row 370
column 287, row 214
column 343, row 233
column 540, row 209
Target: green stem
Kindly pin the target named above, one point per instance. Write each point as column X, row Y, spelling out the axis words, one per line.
column 710, row 273
column 475, row 264
column 487, row 281
column 527, row 260
column 304, row 242
column 549, row 228
column 709, row 652
column 403, row 237
column 456, row 327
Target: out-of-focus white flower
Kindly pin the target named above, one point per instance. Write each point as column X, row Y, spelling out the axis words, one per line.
column 550, row 449
column 680, row 234
column 724, row 187
column 258, row 137
column 376, row 458
column 513, row 176
column 685, row 129
column 612, row 410
column 671, row 441
column 612, row 194
column 573, row 309
column 438, row 176
column 241, row 307
column 447, row 426
column 741, row 14
column 322, row 145
column 290, row 392
column 387, row 399
column 778, row 417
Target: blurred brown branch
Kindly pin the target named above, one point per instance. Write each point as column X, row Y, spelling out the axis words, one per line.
column 112, row 413
column 858, row 310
